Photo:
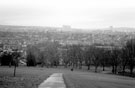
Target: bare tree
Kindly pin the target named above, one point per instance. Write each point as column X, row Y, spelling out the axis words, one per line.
column 124, row 58
column 115, row 59
column 130, row 46
column 15, row 56
column 104, row 58
column 96, row 57
column 66, row 59
column 88, row 57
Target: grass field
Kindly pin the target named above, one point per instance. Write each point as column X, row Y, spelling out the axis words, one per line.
column 30, row 77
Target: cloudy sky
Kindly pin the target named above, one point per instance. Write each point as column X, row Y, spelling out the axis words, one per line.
column 77, row 13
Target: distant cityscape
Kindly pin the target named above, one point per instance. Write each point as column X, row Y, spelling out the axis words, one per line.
column 19, row 37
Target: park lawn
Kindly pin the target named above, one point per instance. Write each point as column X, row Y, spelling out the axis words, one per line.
column 31, row 77
column 77, row 79
column 26, row 77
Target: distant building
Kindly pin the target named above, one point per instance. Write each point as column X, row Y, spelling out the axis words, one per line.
column 66, row 28
column 111, row 27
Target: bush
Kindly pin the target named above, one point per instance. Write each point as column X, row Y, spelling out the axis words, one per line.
column 6, row 59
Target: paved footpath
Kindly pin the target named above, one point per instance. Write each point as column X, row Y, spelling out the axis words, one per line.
column 54, row 81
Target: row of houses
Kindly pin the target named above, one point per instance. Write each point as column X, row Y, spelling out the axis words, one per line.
column 9, row 44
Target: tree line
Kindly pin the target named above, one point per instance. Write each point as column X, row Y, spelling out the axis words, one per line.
column 119, row 58
column 75, row 56
column 52, row 54
column 43, row 54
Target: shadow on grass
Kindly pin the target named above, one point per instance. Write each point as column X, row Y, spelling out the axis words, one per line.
column 127, row 74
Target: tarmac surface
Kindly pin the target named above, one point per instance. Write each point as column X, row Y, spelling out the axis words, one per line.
column 54, row 81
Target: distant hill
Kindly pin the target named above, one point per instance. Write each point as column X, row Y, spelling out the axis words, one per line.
column 14, row 28
column 121, row 29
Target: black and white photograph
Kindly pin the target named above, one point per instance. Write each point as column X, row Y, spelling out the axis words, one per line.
column 67, row 43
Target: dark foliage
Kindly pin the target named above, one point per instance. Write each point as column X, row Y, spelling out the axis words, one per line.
column 6, row 59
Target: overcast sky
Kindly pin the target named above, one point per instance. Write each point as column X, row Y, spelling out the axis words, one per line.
column 77, row 13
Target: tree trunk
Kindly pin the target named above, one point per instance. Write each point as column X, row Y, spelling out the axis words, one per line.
column 103, row 67
column 95, row 68
column 14, row 70
column 131, row 70
column 123, row 70
column 112, row 69
column 88, row 67
column 115, row 69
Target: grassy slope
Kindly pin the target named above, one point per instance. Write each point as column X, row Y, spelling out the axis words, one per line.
column 29, row 77
column 97, row 80
column 26, row 77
